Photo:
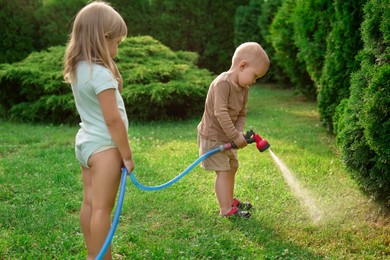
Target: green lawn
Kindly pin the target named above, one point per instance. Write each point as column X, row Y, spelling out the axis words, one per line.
column 40, row 194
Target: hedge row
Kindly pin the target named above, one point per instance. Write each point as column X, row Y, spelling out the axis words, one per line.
column 158, row 84
column 204, row 27
column 362, row 121
column 338, row 53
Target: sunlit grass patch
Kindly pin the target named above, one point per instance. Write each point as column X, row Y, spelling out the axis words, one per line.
column 41, row 192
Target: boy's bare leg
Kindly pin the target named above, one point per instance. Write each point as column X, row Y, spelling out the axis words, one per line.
column 105, row 169
column 224, row 189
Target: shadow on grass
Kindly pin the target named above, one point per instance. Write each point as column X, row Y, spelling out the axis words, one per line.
column 274, row 246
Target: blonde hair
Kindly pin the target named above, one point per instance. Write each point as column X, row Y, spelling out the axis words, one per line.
column 249, row 51
column 87, row 41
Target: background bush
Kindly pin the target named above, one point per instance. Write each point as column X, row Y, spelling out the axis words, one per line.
column 312, row 46
column 268, row 10
column 251, row 23
column 343, row 43
column 55, row 21
column 246, row 23
column 363, row 120
column 161, row 83
column 286, row 52
column 158, row 84
column 205, row 27
column 18, row 29
column 310, row 32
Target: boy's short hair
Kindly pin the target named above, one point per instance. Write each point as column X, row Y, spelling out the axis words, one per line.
column 249, row 51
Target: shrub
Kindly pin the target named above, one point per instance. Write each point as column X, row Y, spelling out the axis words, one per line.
column 158, row 84
column 17, row 30
column 363, row 121
column 246, row 26
column 343, row 43
column 33, row 90
column 161, row 83
column 251, row 23
column 60, row 14
column 205, row 27
column 268, row 10
column 282, row 33
column 311, row 19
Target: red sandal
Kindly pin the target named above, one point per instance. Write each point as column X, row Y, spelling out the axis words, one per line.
column 238, row 213
column 241, row 205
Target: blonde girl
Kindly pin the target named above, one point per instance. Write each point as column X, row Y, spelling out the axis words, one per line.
column 102, row 146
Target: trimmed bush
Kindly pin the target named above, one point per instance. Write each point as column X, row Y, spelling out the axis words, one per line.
column 158, row 84
column 268, row 10
column 33, row 90
column 286, row 52
column 246, row 28
column 363, row 121
column 343, row 43
column 251, row 23
column 311, row 19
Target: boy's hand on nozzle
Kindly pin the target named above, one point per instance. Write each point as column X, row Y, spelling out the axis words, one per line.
column 240, row 142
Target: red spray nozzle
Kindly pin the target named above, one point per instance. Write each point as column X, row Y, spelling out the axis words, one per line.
column 261, row 143
column 250, row 137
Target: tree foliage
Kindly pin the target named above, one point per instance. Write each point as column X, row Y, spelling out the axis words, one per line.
column 363, row 120
column 268, row 10
column 311, row 21
column 18, row 29
column 286, row 51
column 343, row 43
column 55, row 20
column 158, row 84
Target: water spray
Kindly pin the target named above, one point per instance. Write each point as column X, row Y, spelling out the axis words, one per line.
column 302, row 194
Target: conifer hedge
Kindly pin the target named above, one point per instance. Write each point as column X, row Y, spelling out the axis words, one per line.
column 311, row 25
column 158, row 84
column 343, row 43
column 362, row 122
column 286, row 51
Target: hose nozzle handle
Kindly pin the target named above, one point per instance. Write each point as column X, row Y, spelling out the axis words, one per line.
column 251, row 137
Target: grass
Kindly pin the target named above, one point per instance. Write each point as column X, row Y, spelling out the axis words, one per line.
column 40, row 194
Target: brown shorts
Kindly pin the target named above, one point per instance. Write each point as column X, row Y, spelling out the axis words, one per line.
column 222, row 161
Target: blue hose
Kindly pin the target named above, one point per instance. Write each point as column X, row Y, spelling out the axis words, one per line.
column 178, row 177
column 118, row 209
column 116, row 216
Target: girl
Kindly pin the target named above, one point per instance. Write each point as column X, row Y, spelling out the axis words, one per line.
column 102, row 146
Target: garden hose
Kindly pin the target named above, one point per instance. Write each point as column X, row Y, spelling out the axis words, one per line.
column 118, row 209
column 250, row 137
column 178, row 177
column 115, row 220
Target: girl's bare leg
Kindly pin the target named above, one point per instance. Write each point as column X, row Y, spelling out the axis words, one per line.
column 86, row 206
column 105, row 171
